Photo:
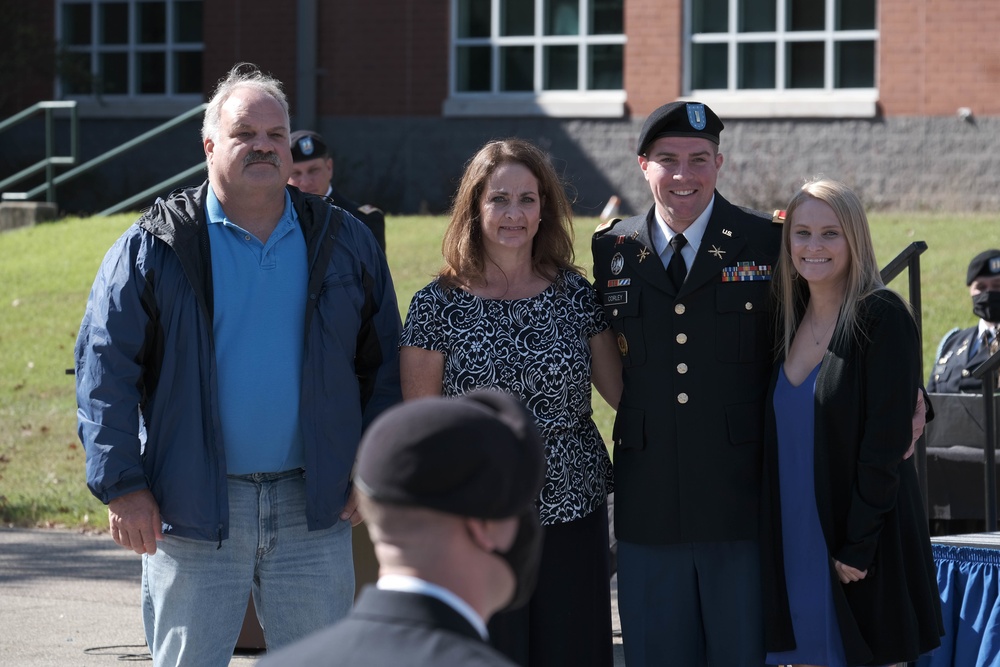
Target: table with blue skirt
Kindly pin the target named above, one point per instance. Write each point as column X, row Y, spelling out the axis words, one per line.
column 968, row 576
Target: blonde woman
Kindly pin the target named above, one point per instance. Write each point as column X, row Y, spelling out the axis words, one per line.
column 848, row 573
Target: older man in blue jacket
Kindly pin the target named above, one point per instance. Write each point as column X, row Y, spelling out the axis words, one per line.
column 237, row 340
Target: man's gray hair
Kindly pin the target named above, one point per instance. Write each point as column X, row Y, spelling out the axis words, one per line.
column 242, row 75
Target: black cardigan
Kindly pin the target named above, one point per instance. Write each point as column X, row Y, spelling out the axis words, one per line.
column 868, row 498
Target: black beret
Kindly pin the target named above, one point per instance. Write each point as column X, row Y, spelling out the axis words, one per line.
column 986, row 263
column 307, row 145
column 475, row 455
column 680, row 119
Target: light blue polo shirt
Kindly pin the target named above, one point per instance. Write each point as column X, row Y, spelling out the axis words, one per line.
column 260, row 295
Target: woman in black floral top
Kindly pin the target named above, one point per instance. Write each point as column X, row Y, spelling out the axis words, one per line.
column 510, row 311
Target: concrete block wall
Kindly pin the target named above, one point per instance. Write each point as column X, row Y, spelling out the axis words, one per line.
column 409, row 165
column 907, row 163
column 15, row 214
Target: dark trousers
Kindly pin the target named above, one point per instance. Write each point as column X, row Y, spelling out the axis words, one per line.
column 568, row 620
column 691, row 604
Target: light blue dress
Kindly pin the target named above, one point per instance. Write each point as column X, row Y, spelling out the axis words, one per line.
column 807, row 559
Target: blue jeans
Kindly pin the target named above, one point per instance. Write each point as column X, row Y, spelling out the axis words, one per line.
column 194, row 593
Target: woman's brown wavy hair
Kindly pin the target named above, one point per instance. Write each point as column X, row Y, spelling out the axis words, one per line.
column 552, row 248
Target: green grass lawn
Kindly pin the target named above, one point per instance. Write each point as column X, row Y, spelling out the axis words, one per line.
column 46, row 273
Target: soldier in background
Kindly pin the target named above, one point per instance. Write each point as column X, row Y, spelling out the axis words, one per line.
column 312, row 172
column 963, row 350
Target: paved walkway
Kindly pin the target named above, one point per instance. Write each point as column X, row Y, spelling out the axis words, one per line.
column 68, row 598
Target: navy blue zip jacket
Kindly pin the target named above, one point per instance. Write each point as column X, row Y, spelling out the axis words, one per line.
column 147, row 394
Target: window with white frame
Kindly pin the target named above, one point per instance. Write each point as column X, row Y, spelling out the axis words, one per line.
column 791, row 57
column 536, row 56
column 141, row 49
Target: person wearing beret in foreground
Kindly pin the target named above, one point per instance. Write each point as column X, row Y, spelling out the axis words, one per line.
column 447, row 489
column 312, row 172
column 848, row 575
column 962, row 350
column 510, row 311
column 686, row 290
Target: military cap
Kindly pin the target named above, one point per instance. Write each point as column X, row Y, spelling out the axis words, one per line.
column 307, row 145
column 986, row 263
column 476, row 455
column 680, row 119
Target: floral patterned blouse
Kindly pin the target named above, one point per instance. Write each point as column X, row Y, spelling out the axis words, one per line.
column 535, row 348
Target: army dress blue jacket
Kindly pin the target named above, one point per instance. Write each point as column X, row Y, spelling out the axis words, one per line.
column 954, row 363
column 696, row 364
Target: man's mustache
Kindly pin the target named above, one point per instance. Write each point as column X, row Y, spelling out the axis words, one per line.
column 260, row 156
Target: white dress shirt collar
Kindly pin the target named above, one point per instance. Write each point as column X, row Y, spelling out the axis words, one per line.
column 662, row 234
column 407, row 584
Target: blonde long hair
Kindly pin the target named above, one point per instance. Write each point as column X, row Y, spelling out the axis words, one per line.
column 863, row 277
column 462, row 247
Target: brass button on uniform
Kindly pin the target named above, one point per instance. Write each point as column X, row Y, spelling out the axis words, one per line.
column 614, row 313
column 682, row 338
column 682, row 368
column 748, row 305
column 965, row 373
column 680, row 308
column 682, row 398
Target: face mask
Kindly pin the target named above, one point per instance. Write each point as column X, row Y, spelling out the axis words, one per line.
column 987, row 306
column 524, row 557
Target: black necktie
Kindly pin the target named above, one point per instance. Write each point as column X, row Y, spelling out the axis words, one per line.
column 676, row 268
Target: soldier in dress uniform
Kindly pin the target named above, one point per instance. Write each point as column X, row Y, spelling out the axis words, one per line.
column 447, row 489
column 686, row 288
column 312, row 172
column 962, row 350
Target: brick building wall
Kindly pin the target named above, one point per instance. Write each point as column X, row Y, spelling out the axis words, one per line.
column 938, row 55
column 259, row 32
column 27, row 55
column 383, row 76
column 653, row 64
column 383, row 63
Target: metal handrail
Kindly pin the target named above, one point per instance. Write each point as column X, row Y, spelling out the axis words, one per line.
column 159, row 187
column 49, row 161
column 53, row 181
column 909, row 258
column 129, row 145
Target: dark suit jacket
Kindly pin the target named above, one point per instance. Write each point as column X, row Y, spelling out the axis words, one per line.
column 393, row 629
column 868, row 499
column 696, row 363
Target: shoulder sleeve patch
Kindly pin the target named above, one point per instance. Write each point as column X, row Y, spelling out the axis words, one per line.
column 606, row 225
column 368, row 209
column 778, row 216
